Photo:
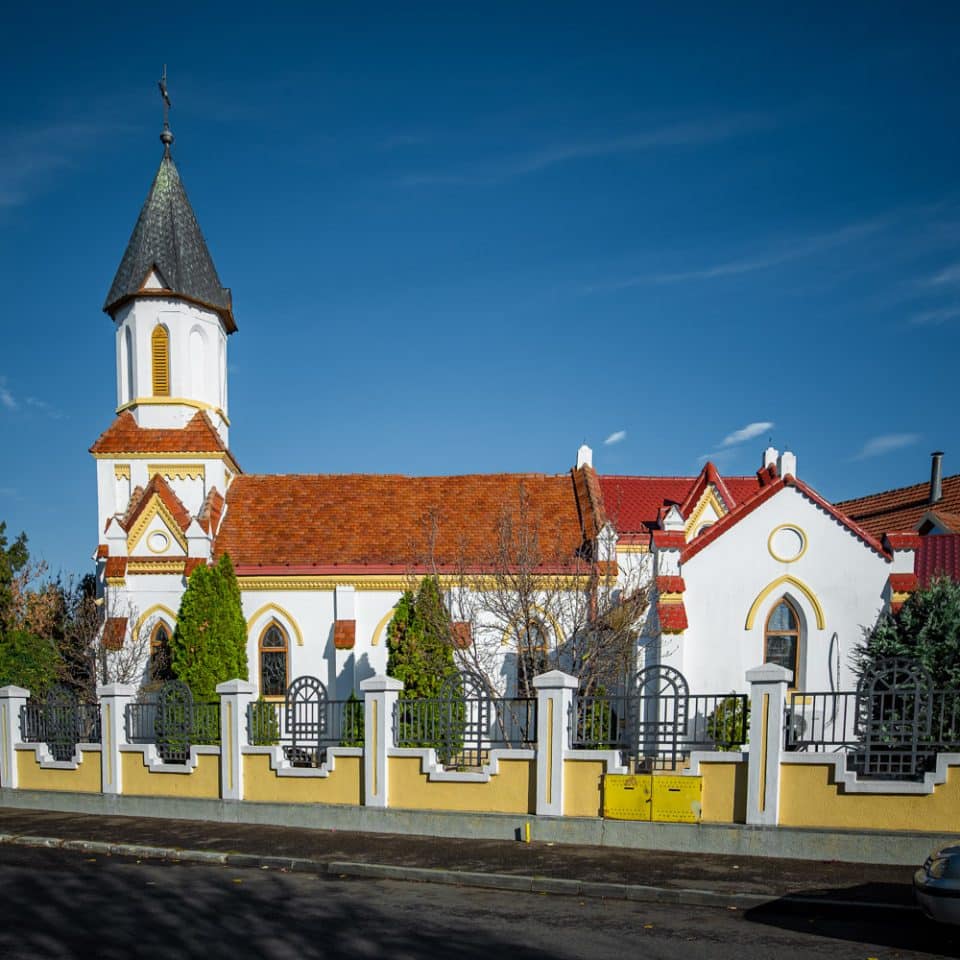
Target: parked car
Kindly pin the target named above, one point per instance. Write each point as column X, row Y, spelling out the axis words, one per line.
column 936, row 885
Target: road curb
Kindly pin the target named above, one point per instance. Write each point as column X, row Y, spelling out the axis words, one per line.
column 678, row 896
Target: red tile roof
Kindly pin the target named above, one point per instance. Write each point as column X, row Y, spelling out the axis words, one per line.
column 141, row 500
column 670, row 584
column 633, row 503
column 903, row 582
column 125, row 436
column 115, row 567
column 748, row 506
column 903, row 508
column 353, row 521
column 211, row 511
column 938, row 556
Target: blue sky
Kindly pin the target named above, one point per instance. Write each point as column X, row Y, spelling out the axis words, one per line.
column 469, row 237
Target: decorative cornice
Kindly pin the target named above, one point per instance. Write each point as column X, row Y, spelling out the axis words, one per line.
column 397, row 582
column 147, row 567
column 121, row 471
column 180, row 471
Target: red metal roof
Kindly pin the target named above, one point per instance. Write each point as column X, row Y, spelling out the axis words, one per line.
column 938, row 556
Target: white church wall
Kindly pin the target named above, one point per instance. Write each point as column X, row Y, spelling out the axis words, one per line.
column 722, row 582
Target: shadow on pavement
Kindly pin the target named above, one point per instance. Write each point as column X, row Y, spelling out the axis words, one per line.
column 895, row 928
column 56, row 904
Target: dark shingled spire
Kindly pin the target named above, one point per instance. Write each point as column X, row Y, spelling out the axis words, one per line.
column 167, row 239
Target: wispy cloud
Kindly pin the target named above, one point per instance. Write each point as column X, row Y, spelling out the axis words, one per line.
column 806, row 247
column 946, row 277
column 30, row 159
column 748, row 432
column 932, row 318
column 523, row 164
column 886, row 443
column 615, row 437
column 6, row 397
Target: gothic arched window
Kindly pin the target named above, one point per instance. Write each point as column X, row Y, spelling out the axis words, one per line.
column 160, row 361
column 274, row 664
column 531, row 656
column 161, row 668
column 781, row 639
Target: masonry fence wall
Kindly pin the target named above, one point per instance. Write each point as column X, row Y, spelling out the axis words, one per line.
column 760, row 783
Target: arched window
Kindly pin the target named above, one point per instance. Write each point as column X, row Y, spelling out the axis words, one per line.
column 531, row 656
column 161, row 667
column 160, row 360
column 781, row 639
column 273, row 661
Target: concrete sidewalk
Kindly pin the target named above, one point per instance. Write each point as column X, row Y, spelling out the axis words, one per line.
column 695, row 879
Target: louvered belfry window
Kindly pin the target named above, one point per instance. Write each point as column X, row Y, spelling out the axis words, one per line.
column 160, row 354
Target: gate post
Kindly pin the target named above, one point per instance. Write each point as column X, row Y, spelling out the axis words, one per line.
column 113, row 698
column 554, row 705
column 11, row 700
column 380, row 695
column 768, row 698
column 235, row 699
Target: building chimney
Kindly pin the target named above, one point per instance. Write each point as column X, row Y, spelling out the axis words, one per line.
column 584, row 457
column 787, row 464
column 770, row 456
column 936, row 477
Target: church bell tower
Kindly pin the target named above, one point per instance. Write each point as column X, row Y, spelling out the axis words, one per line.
column 171, row 313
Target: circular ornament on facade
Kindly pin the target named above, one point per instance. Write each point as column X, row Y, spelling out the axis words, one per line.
column 787, row 543
column 158, row 541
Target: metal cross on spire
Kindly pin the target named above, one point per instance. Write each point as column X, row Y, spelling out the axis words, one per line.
column 166, row 138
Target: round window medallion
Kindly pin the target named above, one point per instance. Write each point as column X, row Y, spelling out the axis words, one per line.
column 158, row 541
column 787, row 543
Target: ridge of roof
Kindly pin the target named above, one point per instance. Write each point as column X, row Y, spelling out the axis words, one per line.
column 167, row 238
column 765, row 493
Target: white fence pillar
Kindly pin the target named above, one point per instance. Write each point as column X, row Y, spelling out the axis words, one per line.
column 11, row 700
column 768, row 696
column 235, row 699
column 113, row 698
column 554, row 704
column 380, row 694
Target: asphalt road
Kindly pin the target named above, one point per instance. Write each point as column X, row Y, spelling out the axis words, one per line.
column 55, row 903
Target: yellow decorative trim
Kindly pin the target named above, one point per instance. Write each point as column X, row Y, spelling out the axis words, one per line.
column 670, row 598
column 510, row 634
column 632, row 548
column 283, row 613
column 794, row 582
column 180, row 471
column 788, row 526
column 708, row 498
column 155, row 508
column 900, row 597
column 388, row 583
column 157, row 608
column 121, row 471
column 762, row 792
column 147, row 567
column 155, row 534
column 116, row 582
column 379, row 628
column 174, row 401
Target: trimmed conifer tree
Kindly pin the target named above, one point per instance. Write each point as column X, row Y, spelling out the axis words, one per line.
column 209, row 644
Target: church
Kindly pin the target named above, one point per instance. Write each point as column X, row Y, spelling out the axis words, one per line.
column 733, row 571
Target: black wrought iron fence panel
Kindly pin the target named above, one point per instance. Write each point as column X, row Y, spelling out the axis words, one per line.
column 175, row 731
column 463, row 731
column 886, row 735
column 331, row 723
column 660, row 732
column 60, row 723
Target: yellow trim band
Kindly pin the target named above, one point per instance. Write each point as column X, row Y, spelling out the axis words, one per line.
column 393, row 582
column 794, row 582
column 708, row 498
column 379, row 628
